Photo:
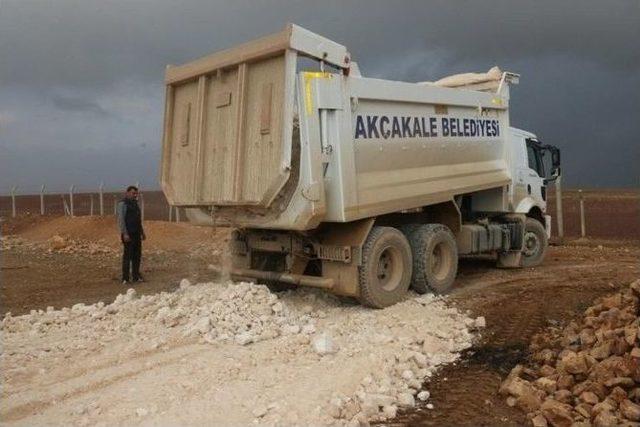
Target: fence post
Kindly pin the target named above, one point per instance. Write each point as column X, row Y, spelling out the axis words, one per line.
column 13, row 201
column 177, row 214
column 42, row 199
column 559, row 209
column 64, row 205
column 583, row 231
column 101, row 188
column 71, row 198
column 91, row 204
column 141, row 207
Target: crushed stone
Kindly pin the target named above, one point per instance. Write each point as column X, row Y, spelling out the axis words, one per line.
column 309, row 358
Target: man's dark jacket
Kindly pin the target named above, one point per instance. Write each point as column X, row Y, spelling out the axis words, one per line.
column 129, row 217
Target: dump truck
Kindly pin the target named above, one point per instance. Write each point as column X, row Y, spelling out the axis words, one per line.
column 361, row 186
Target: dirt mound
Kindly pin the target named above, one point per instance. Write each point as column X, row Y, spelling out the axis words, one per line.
column 57, row 244
column 21, row 222
column 166, row 236
column 587, row 373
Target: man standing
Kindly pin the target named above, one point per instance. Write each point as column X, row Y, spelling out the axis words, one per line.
column 131, row 234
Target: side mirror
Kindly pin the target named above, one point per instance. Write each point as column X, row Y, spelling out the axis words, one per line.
column 554, row 175
column 555, row 159
column 549, row 180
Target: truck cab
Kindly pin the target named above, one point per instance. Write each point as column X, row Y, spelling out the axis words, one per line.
column 533, row 166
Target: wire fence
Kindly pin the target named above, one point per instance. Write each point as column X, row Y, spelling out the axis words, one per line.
column 600, row 214
column 153, row 204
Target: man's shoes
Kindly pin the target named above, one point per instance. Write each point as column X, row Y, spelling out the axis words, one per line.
column 139, row 279
column 125, row 282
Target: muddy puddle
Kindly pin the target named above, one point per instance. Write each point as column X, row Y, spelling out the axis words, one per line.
column 466, row 393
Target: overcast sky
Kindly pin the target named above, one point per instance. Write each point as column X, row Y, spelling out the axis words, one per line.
column 81, row 92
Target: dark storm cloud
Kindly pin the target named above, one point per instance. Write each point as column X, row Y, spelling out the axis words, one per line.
column 78, row 104
column 95, row 43
column 579, row 60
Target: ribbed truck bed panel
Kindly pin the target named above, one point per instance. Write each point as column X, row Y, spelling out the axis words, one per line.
column 226, row 136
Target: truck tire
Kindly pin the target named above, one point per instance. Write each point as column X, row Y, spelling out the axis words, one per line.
column 435, row 258
column 385, row 273
column 534, row 245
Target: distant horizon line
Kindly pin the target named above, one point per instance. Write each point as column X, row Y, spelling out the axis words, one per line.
column 628, row 189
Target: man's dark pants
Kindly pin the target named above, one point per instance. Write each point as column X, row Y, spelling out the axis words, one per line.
column 131, row 256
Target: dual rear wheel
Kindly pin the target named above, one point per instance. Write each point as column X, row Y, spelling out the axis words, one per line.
column 385, row 273
column 435, row 257
column 421, row 256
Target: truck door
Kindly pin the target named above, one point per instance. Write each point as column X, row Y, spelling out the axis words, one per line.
column 534, row 175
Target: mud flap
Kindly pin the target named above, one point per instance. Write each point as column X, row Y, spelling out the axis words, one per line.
column 513, row 258
column 345, row 277
column 510, row 259
column 345, row 274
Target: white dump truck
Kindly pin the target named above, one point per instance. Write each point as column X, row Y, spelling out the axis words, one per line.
column 361, row 186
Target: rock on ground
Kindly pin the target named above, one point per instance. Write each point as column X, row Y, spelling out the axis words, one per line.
column 587, row 373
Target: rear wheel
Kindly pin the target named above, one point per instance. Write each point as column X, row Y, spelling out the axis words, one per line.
column 385, row 273
column 435, row 257
column 535, row 243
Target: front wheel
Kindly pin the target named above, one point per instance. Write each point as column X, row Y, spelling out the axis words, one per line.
column 535, row 243
column 385, row 273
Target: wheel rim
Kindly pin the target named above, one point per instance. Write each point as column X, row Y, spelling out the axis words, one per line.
column 389, row 268
column 440, row 261
column 531, row 244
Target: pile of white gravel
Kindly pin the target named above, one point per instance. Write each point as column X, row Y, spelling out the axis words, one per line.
column 363, row 364
column 241, row 313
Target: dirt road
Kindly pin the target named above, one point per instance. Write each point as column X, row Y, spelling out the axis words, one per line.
column 516, row 304
column 36, row 277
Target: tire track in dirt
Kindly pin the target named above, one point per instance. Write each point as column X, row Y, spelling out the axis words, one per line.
column 62, row 389
column 109, row 362
column 517, row 304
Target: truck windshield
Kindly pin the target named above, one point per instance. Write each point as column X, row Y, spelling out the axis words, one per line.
column 535, row 158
